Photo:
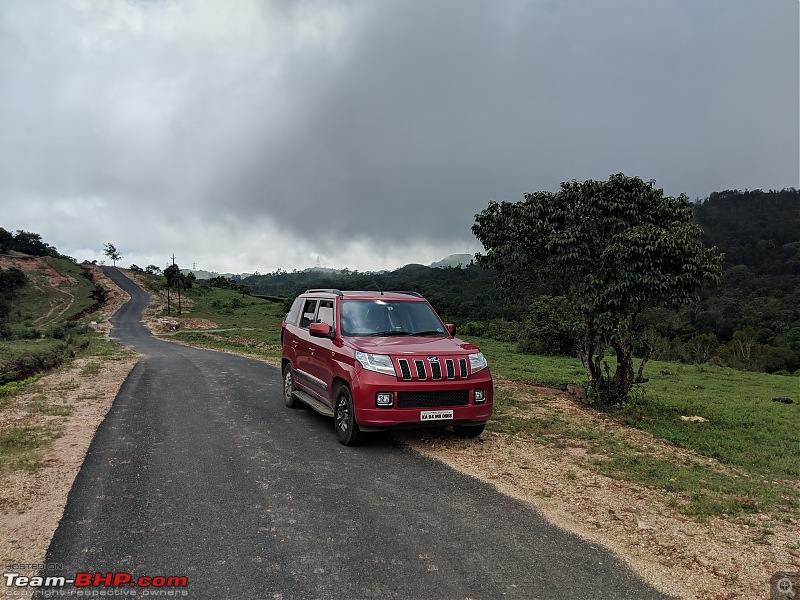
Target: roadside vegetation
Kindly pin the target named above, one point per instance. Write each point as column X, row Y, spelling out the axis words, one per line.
column 47, row 303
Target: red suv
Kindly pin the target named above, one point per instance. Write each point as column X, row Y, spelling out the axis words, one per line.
column 377, row 360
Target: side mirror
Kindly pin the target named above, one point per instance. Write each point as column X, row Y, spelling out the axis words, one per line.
column 322, row 330
column 451, row 329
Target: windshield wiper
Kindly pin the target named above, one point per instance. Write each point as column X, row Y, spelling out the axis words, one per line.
column 388, row 333
column 429, row 332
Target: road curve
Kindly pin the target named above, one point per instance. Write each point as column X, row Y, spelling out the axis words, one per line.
column 199, row 470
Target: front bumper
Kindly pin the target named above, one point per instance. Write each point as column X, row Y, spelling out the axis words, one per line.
column 368, row 384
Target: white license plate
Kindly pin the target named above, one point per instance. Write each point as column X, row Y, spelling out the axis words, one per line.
column 435, row 415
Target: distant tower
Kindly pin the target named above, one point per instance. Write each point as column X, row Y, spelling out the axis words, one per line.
column 194, row 266
column 317, row 264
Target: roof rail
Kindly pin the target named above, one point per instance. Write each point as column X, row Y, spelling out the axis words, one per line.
column 328, row 291
column 417, row 294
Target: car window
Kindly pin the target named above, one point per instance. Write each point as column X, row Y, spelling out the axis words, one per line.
column 294, row 312
column 325, row 312
column 309, row 310
column 381, row 317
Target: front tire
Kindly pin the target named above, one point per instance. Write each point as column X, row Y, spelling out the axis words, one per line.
column 469, row 431
column 288, row 388
column 344, row 418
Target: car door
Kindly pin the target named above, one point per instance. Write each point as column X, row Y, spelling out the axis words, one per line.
column 321, row 360
column 304, row 347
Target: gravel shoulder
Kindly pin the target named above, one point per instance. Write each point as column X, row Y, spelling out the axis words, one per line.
column 722, row 558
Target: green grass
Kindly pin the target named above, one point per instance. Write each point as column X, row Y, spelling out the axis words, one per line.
column 701, row 490
column 91, row 368
column 248, row 324
column 745, row 429
column 542, row 370
column 19, row 448
column 21, row 359
column 42, row 305
column 755, row 439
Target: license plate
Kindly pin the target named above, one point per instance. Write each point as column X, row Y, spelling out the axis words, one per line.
column 435, row 415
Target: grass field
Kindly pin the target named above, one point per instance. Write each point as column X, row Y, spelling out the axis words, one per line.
column 42, row 305
column 755, row 440
column 245, row 322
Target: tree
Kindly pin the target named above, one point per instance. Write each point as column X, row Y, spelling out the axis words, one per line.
column 613, row 249
column 6, row 240
column 31, row 243
column 11, row 280
column 173, row 275
column 152, row 270
column 112, row 253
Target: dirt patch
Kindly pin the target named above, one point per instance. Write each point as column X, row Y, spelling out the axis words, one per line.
column 38, row 264
column 196, row 323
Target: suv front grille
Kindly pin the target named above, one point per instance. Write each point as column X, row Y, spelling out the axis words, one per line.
column 404, row 370
column 431, row 368
column 451, row 371
column 428, row 399
column 436, row 369
column 420, row 369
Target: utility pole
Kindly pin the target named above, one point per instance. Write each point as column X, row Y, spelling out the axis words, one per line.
column 178, row 282
column 168, row 304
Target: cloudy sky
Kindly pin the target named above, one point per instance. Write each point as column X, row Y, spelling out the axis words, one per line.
column 250, row 135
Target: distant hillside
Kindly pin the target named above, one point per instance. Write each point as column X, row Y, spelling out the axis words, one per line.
column 202, row 274
column 454, row 260
column 757, row 229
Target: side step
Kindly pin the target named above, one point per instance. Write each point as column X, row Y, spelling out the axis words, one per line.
column 318, row 406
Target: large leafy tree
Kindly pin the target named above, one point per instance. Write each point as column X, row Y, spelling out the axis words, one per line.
column 612, row 249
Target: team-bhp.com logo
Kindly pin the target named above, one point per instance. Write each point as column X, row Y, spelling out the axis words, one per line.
column 95, row 580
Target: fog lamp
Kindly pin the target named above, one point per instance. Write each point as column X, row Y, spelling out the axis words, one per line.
column 385, row 399
column 480, row 396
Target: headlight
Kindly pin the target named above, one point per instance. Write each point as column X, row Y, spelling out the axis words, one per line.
column 477, row 362
column 380, row 363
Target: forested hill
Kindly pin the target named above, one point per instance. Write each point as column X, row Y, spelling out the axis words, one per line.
column 757, row 301
column 757, row 229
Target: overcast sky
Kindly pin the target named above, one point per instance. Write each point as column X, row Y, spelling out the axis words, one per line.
column 250, row 135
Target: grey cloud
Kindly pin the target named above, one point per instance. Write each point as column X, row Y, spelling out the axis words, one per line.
column 396, row 121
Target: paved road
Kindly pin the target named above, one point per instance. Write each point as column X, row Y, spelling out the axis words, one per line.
column 200, row 470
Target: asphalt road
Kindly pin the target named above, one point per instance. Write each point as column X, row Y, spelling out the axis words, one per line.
column 199, row 470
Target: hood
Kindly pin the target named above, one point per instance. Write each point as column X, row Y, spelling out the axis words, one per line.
column 412, row 345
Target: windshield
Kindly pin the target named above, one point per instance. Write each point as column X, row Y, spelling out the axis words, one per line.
column 386, row 317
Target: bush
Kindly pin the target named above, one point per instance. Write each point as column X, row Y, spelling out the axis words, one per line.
column 545, row 331
column 473, row 328
column 57, row 333
column 502, row 330
column 19, row 332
